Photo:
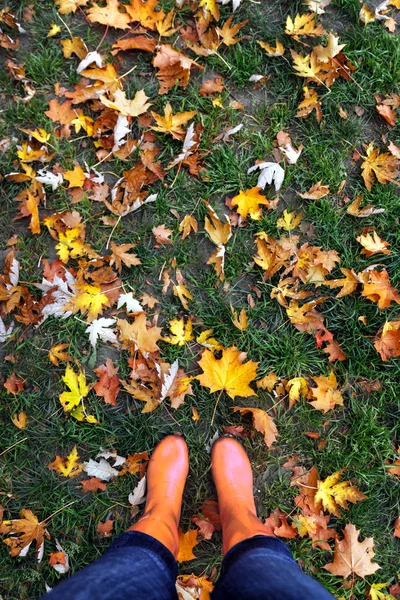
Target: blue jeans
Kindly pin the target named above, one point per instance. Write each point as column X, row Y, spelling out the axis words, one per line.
column 139, row 567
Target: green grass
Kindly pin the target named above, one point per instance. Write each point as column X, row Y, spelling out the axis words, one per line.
column 360, row 437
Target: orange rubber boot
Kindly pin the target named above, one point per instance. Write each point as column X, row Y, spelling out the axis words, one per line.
column 166, row 477
column 233, row 479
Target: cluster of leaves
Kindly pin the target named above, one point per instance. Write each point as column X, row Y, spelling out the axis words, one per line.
column 89, row 281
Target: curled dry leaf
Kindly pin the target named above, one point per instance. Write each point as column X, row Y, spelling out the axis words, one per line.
column 262, row 422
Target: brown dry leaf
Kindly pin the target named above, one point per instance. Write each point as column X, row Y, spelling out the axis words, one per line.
column 229, row 373
column 138, row 42
column 212, row 86
column 303, row 25
column 14, row 384
column 311, row 102
column 172, row 124
column 373, row 244
column 326, row 394
column 139, row 334
column 393, row 149
column 261, row 421
column 162, row 234
column 334, row 351
column 31, row 206
column 58, row 353
column 23, row 532
column 387, row 341
column 277, row 525
column 377, row 288
column 317, row 192
column 192, row 587
column 279, row 49
column 387, row 113
column 109, row 15
column 240, row 321
column 354, row 210
column 94, row 484
column 379, row 166
column 397, row 528
column 67, row 467
column 187, row 225
column 104, row 529
column 61, row 113
column 120, row 256
column 352, row 556
column 227, row 33
column 108, row 385
column 149, row 301
column 135, row 463
column 20, row 420
column 324, row 54
column 333, row 493
column 187, row 541
column 174, row 67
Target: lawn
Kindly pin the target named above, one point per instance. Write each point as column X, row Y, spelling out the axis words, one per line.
column 321, row 382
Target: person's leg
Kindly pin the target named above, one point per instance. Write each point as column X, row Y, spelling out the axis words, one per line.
column 141, row 563
column 256, row 565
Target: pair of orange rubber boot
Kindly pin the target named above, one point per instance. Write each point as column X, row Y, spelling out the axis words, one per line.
column 166, row 476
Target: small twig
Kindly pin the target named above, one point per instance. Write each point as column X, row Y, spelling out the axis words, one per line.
column 215, row 409
column 59, row 510
column 102, row 39
column 102, row 160
column 127, row 73
column 112, row 231
column 13, row 446
column 172, row 417
column 66, row 26
column 176, row 176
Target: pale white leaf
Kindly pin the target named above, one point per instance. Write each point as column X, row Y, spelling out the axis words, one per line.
column 118, row 460
column 121, row 130
column 49, row 178
column 211, row 442
column 132, row 305
column 168, row 380
column 138, row 496
column 232, row 131
column 291, row 154
column 4, row 332
column 62, row 569
column 256, row 77
column 90, row 58
column 102, row 469
column 14, row 272
column 270, row 172
column 101, row 328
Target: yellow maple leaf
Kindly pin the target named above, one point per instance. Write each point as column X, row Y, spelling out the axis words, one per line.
column 228, row 373
column 187, row 541
column 54, row 30
column 205, row 339
column 127, row 108
column 78, row 389
column 70, row 244
column 181, row 332
column 326, row 394
column 109, row 15
column 279, row 49
column 39, row 134
column 211, row 7
column 333, row 493
column 88, row 298
column 58, row 352
column 289, row 221
column 145, row 12
column 303, row 25
column 76, row 177
column 375, row 592
column 69, row 6
column 308, row 104
column 20, row 420
column 298, row 387
column 306, row 66
column 32, row 208
column 227, row 33
column 379, row 166
column 373, row 244
column 139, row 334
column 172, row 124
column 165, row 27
column 86, row 123
column 262, row 422
column 180, row 290
column 248, row 203
column 67, row 467
column 23, row 532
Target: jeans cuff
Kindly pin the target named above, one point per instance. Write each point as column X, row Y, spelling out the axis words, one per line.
column 275, row 547
column 131, row 539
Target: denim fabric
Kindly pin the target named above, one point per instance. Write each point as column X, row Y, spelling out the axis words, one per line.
column 139, row 567
column 136, row 567
column 262, row 568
